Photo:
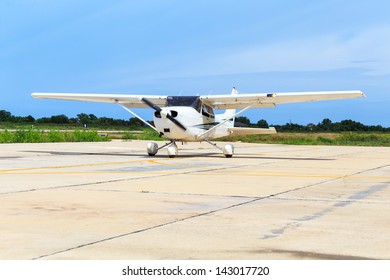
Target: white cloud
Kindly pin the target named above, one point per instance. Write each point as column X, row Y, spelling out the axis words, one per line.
column 368, row 50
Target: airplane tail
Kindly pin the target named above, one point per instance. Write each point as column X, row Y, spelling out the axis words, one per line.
column 230, row 112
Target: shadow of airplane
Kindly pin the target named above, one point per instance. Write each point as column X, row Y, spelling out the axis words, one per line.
column 200, row 155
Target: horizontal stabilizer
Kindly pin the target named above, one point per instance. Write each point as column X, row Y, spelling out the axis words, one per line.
column 251, row 131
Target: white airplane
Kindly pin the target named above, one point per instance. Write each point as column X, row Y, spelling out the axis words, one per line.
column 192, row 118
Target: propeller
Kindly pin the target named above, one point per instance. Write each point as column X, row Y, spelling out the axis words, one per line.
column 168, row 116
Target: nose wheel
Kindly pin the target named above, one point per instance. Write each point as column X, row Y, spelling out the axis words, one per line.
column 172, row 150
column 152, row 149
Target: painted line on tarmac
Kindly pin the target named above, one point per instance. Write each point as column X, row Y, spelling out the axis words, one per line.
column 17, row 170
column 256, row 199
column 294, row 175
column 290, row 175
column 147, row 176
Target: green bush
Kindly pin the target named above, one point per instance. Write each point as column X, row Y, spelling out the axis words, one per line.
column 56, row 136
column 6, row 137
column 341, row 139
column 38, row 136
column 365, row 139
column 147, row 134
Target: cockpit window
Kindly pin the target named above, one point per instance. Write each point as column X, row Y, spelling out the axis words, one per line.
column 189, row 101
column 207, row 111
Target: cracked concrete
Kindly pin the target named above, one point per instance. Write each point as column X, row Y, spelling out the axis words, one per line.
column 111, row 201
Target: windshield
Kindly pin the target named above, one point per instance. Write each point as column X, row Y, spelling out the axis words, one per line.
column 188, row 101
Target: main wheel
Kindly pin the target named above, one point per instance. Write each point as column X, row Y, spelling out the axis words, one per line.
column 228, row 150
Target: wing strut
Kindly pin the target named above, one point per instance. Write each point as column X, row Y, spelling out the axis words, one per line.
column 135, row 115
column 225, row 121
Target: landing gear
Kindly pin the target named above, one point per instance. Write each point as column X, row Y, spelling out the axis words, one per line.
column 228, row 149
column 173, row 150
column 152, row 149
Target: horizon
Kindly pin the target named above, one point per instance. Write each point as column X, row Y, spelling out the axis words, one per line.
column 174, row 47
column 132, row 117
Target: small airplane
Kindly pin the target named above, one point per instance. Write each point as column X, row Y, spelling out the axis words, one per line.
column 192, row 118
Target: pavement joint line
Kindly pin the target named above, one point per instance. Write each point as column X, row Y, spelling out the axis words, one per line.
column 276, row 174
column 145, row 229
column 124, row 179
column 338, row 200
column 247, row 200
column 180, row 220
column 302, row 176
column 129, row 161
column 169, row 174
column 298, row 222
column 13, row 170
column 203, row 194
column 175, row 221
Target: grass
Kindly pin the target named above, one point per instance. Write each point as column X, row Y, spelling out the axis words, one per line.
column 146, row 134
column 40, row 136
column 34, row 135
column 334, row 139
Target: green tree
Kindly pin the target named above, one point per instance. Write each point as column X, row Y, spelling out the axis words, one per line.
column 5, row 115
column 325, row 125
column 44, row 120
column 242, row 121
column 92, row 117
column 134, row 122
column 60, row 119
column 262, row 124
column 350, row 125
column 105, row 121
column 29, row 119
column 83, row 118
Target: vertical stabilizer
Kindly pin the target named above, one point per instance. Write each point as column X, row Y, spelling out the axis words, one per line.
column 230, row 112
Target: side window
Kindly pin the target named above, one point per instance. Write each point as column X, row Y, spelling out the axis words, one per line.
column 207, row 111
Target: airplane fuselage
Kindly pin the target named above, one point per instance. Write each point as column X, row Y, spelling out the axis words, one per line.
column 197, row 122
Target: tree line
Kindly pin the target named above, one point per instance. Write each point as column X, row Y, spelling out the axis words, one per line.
column 81, row 119
column 325, row 126
column 91, row 120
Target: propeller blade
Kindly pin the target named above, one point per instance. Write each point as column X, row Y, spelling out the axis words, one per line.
column 175, row 121
column 158, row 109
column 151, row 104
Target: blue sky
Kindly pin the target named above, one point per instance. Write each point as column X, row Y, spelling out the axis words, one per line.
column 197, row 47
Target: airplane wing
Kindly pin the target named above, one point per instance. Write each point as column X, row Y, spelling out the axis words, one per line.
column 128, row 100
column 221, row 101
column 269, row 100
